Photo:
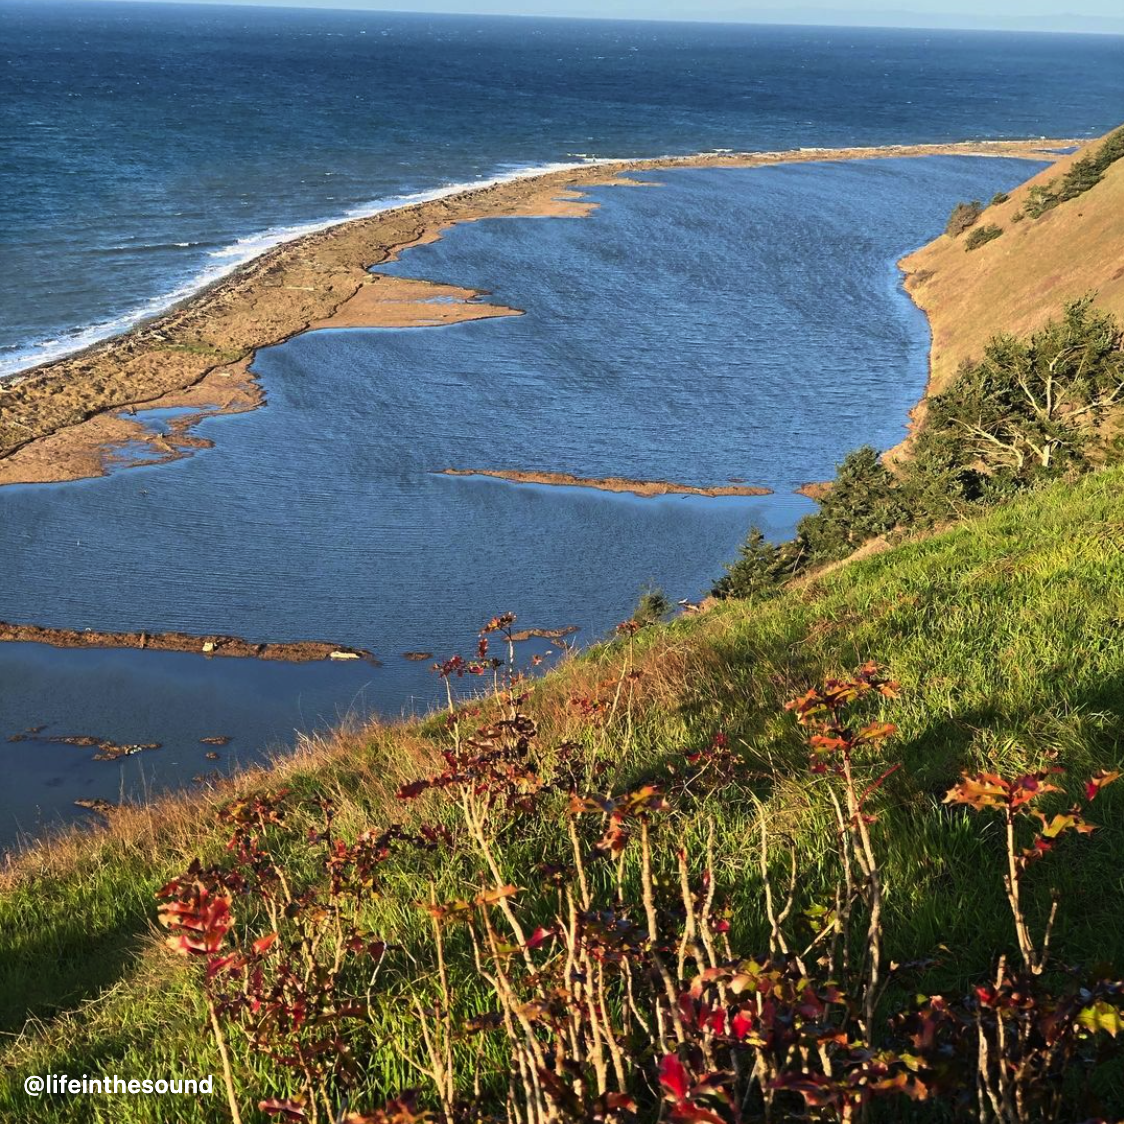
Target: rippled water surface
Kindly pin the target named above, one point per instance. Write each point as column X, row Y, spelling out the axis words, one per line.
column 725, row 323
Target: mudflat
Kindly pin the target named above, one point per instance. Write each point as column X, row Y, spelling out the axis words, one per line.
column 610, row 483
column 300, row 651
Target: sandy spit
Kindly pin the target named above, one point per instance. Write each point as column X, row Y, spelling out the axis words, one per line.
column 609, row 483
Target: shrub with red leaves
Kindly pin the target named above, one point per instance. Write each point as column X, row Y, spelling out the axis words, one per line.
column 604, row 978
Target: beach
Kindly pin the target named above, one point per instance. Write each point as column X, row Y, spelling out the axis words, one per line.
column 72, row 419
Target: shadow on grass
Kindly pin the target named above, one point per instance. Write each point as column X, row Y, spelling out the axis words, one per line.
column 43, row 979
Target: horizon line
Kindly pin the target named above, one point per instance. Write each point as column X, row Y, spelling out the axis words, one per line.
column 759, row 19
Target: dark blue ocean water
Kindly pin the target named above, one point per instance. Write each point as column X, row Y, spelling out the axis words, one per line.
column 727, row 323
column 144, row 148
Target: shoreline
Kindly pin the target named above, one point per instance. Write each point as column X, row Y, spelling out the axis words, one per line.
column 300, row 651
column 64, row 420
column 267, row 242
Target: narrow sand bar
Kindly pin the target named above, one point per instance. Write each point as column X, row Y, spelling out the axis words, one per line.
column 609, row 483
column 72, row 418
column 301, row 651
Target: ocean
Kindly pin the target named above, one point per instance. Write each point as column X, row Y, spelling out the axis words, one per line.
column 148, row 148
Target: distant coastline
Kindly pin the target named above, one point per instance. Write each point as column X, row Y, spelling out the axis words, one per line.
column 69, row 419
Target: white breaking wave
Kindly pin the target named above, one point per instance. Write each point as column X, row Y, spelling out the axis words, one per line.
column 239, row 253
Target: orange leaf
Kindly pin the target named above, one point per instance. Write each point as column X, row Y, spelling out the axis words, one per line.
column 264, row 943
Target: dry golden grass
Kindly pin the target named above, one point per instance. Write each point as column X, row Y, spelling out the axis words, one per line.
column 1020, row 280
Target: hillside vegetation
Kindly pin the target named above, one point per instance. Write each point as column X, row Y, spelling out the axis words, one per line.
column 1003, row 636
column 1018, row 281
column 1029, row 411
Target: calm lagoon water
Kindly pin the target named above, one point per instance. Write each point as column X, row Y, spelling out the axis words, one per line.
column 726, row 323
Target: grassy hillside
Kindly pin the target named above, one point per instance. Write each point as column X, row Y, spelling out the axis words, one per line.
column 1005, row 636
column 1021, row 278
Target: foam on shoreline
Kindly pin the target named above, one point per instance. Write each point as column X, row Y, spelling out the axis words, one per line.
column 232, row 257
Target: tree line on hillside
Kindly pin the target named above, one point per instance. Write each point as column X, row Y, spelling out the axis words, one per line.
column 1030, row 411
column 1084, row 174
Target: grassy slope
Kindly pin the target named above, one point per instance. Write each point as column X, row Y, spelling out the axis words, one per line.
column 1004, row 632
column 1019, row 281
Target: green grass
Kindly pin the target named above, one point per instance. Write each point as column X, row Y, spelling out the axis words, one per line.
column 1004, row 632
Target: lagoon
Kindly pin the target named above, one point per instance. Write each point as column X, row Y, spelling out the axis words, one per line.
column 715, row 324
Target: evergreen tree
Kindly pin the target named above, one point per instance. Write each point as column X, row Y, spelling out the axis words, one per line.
column 759, row 570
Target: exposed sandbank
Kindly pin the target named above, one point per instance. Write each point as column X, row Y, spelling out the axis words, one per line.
column 609, row 483
column 302, row 651
column 119, row 438
column 545, row 633
column 95, row 804
column 63, row 420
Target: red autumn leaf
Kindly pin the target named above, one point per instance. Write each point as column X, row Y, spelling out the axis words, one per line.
column 539, row 936
column 673, row 1076
column 619, row 1102
column 816, row 1089
column 198, row 925
column 290, row 1110
column 263, row 944
column 1029, row 787
column 688, row 1113
column 741, row 1025
column 1098, row 781
column 219, row 964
